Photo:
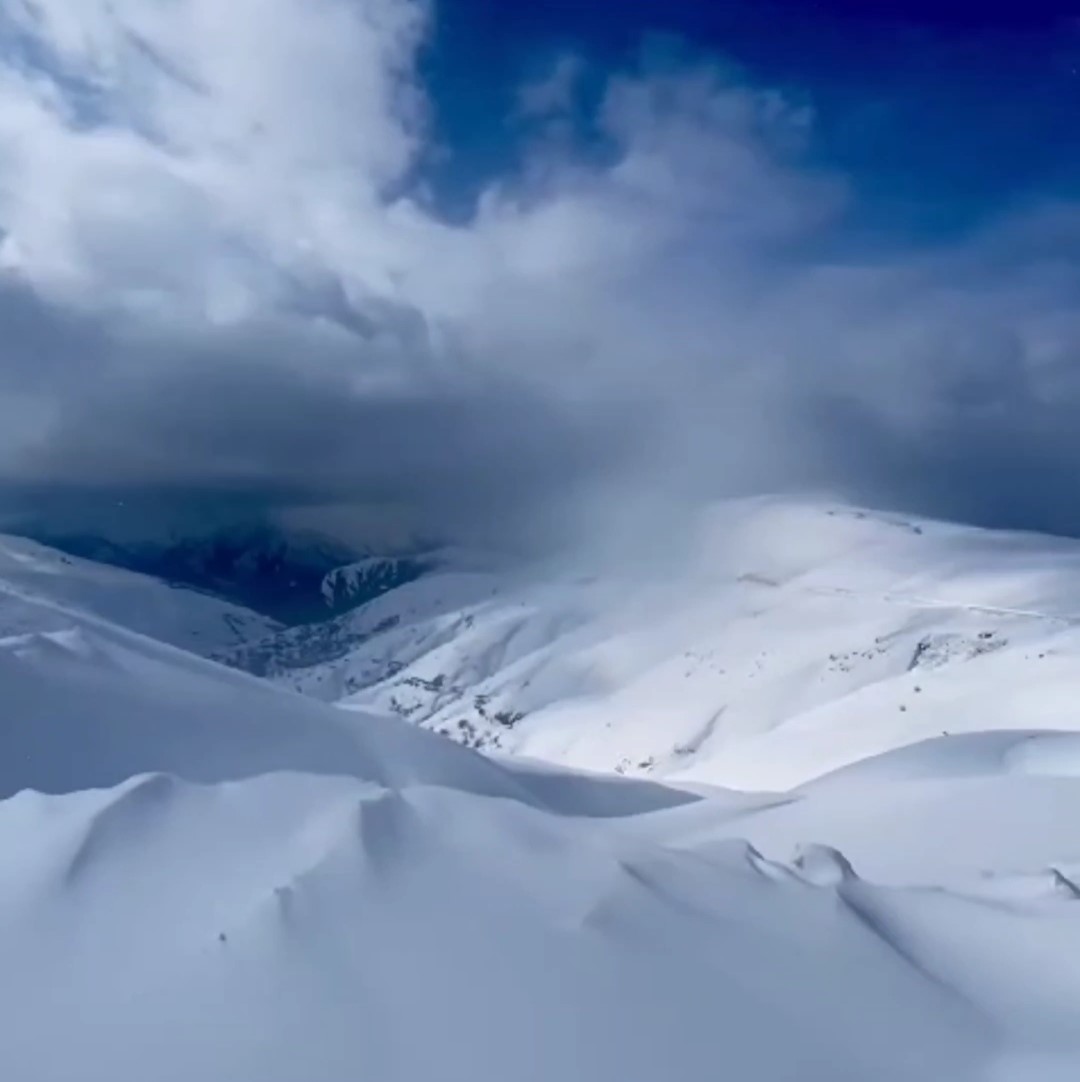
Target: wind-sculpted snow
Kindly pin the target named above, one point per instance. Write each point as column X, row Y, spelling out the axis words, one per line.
column 206, row 876
column 288, row 928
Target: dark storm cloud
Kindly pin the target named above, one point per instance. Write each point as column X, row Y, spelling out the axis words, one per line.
column 283, row 413
column 211, row 300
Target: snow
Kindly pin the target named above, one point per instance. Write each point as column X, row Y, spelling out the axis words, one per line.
column 363, row 580
column 281, row 929
column 782, row 640
column 207, row 875
column 32, row 574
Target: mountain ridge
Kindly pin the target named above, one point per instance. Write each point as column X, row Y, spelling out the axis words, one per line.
column 206, row 872
column 791, row 619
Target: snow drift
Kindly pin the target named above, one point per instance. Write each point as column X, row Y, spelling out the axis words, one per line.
column 206, row 876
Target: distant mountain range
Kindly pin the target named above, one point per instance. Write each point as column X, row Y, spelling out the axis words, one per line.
column 755, row 658
column 294, row 577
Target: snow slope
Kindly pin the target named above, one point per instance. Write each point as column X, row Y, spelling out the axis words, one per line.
column 782, row 640
column 270, row 567
column 355, row 583
column 32, row 573
column 205, row 876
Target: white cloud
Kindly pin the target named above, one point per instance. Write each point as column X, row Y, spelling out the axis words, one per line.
column 209, row 198
column 231, row 139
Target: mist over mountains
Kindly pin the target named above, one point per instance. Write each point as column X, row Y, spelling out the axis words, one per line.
column 539, row 541
column 226, row 275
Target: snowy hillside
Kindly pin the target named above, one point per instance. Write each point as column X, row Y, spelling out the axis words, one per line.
column 356, row 583
column 208, row 877
column 783, row 640
column 275, row 571
column 34, row 578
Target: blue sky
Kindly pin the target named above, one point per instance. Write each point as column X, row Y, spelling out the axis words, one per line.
column 529, row 270
column 941, row 111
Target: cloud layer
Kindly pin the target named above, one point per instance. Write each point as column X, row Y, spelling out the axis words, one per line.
column 222, row 274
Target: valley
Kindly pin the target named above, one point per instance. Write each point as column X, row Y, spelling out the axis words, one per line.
column 802, row 809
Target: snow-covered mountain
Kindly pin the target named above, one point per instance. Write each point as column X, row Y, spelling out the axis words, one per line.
column 781, row 640
column 39, row 586
column 354, row 584
column 257, row 565
column 206, row 876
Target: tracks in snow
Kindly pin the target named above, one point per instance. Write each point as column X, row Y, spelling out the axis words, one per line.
column 929, row 603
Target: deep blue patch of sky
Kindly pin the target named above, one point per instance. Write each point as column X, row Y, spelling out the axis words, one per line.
column 942, row 113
